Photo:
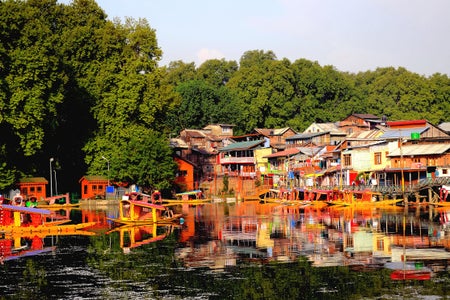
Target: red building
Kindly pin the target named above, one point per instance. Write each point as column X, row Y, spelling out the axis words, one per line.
column 185, row 177
column 93, row 186
column 33, row 187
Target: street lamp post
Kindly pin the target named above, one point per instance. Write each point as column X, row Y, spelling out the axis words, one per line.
column 56, row 183
column 107, row 161
column 51, row 176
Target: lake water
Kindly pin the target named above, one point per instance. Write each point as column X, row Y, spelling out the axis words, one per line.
column 243, row 250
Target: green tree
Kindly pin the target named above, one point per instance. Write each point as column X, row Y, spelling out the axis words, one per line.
column 130, row 111
column 263, row 87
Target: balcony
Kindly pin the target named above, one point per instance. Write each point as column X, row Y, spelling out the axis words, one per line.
column 237, row 160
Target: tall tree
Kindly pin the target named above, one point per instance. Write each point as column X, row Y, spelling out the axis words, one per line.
column 131, row 107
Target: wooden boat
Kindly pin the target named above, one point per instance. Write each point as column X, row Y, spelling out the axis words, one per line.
column 363, row 199
column 135, row 212
column 22, row 220
column 192, row 197
column 58, row 201
column 411, row 275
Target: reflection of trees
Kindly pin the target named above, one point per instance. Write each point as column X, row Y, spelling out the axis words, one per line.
column 156, row 265
column 33, row 282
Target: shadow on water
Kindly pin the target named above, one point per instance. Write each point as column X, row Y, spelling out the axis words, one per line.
column 243, row 250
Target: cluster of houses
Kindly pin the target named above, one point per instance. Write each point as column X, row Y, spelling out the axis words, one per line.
column 362, row 149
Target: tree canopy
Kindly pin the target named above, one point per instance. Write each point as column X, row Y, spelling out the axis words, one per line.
column 78, row 87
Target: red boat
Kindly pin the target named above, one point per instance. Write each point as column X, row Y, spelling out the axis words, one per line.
column 411, row 275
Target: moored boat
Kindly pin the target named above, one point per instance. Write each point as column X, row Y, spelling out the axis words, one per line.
column 135, row 212
column 411, row 275
column 192, row 197
column 22, row 220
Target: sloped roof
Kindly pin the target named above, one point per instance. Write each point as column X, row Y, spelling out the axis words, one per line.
column 269, row 132
column 444, row 126
column 94, row 178
column 366, row 134
column 331, row 127
column 419, row 123
column 241, row 146
column 33, row 180
column 367, row 116
column 178, row 143
column 197, row 133
column 430, row 149
column 287, row 152
column 304, row 136
column 402, row 133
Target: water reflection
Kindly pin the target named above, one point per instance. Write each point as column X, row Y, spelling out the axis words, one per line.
column 248, row 250
column 223, row 235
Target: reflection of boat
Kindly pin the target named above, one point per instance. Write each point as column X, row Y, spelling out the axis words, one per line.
column 135, row 212
column 195, row 196
column 19, row 219
column 27, row 243
column 135, row 236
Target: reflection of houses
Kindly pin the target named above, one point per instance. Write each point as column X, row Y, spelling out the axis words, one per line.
column 93, row 186
column 33, row 187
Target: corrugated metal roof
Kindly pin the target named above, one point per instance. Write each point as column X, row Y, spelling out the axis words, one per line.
column 402, row 133
column 302, row 136
column 430, row 149
column 444, row 126
column 287, row 152
column 241, row 145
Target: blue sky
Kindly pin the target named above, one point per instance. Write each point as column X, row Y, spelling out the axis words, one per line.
column 352, row 35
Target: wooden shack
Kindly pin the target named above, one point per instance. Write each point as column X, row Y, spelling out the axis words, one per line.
column 33, row 187
column 93, row 187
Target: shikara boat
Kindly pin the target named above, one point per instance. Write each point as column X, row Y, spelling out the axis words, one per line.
column 22, row 220
column 192, row 197
column 411, row 275
column 364, row 198
column 135, row 212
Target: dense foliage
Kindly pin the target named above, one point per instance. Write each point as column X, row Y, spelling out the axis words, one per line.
column 78, row 87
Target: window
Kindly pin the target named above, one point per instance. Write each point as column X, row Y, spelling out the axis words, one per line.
column 226, row 129
column 377, row 158
column 182, row 173
column 347, row 159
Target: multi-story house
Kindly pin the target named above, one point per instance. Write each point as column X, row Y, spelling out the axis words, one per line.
column 238, row 159
column 276, row 137
column 200, row 148
column 336, row 135
column 360, row 122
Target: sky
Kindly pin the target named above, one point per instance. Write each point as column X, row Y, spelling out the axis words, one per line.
column 351, row 35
